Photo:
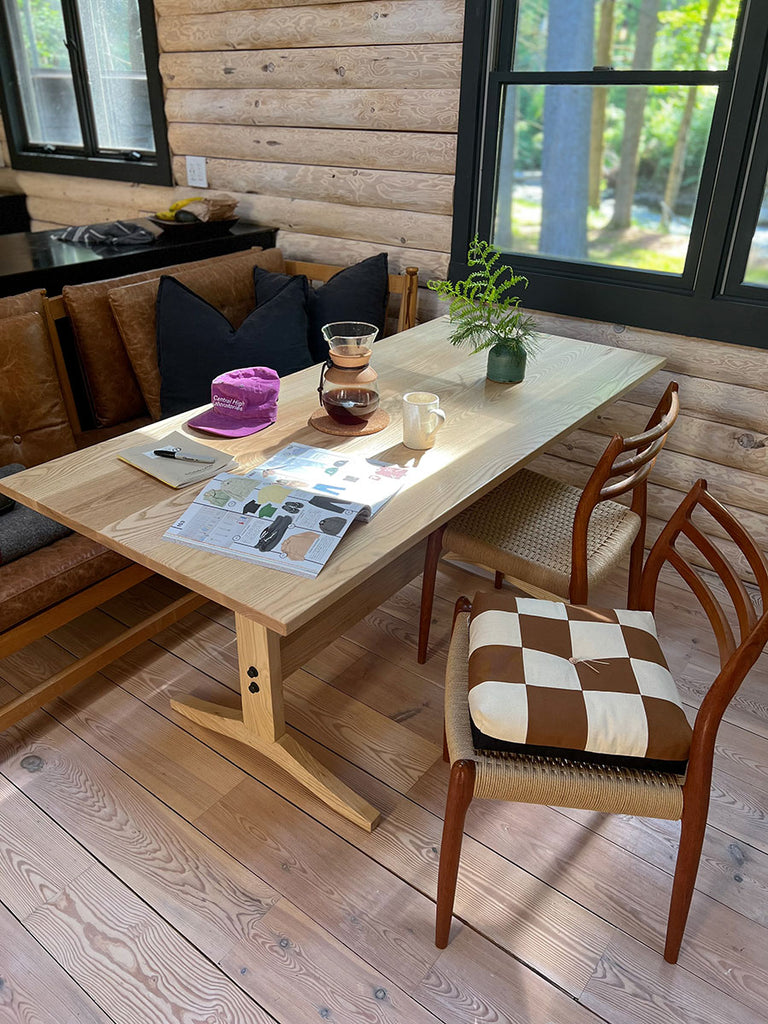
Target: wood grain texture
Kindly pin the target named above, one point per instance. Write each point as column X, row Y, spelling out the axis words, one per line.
column 696, row 357
column 414, row 110
column 427, row 152
column 352, row 24
column 343, row 251
column 631, row 985
column 35, row 989
column 432, row 66
column 111, row 942
column 382, row 190
column 712, row 400
column 312, row 974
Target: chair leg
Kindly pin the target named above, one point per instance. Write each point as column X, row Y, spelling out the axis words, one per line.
column 498, row 579
column 434, row 547
column 691, row 841
column 460, row 790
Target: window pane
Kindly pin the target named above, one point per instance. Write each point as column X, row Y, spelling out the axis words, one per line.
column 116, row 74
column 44, row 74
column 601, row 175
column 757, row 264
column 658, row 35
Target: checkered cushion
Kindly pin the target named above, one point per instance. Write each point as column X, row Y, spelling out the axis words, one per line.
column 546, row 677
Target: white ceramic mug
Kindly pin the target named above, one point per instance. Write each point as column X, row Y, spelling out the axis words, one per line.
column 422, row 418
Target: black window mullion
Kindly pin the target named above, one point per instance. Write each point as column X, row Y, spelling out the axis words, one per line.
column 609, row 78
column 75, row 49
column 472, row 98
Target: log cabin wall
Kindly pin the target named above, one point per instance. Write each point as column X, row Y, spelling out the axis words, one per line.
column 335, row 122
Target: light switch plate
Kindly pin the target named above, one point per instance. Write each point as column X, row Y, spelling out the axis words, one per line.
column 196, row 173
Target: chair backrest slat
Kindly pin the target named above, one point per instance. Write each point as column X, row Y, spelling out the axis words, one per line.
column 641, row 457
column 726, row 642
column 742, row 603
column 632, row 473
column 664, row 550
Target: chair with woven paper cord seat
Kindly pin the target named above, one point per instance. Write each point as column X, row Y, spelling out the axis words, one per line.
column 551, row 539
column 603, row 728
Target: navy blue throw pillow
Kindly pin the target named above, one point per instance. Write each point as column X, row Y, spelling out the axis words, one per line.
column 359, row 292
column 195, row 342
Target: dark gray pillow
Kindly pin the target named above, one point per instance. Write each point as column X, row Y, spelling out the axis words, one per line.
column 23, row 530
column 195, row 342
column 359, row 292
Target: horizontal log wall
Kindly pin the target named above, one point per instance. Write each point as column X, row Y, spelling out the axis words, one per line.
column 335, row 122
column 721, row 433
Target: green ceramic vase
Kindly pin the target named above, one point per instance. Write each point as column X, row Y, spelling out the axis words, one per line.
column 506, row 365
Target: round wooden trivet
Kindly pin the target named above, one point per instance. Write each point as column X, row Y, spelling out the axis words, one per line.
column 320, row 420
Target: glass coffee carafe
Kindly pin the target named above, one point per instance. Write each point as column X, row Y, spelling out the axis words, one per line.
column 349, row 391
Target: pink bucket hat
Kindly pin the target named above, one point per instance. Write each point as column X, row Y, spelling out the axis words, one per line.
column 244, row 401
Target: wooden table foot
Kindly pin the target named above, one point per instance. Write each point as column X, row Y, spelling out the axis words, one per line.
column 289, row 754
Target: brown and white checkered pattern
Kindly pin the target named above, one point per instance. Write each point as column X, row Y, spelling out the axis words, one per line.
column 552, row 675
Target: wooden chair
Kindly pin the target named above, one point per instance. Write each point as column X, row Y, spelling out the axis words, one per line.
column 565, row 782
column 551, row 539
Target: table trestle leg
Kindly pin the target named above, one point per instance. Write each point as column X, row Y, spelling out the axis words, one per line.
column 260, row 723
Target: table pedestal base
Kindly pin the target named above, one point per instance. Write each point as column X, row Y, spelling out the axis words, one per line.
column 261, row 724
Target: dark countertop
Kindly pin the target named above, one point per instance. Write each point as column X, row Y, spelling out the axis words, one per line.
column 37, row 259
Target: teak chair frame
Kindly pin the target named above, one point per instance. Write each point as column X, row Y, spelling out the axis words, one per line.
column 624, row 466
column 736, row 659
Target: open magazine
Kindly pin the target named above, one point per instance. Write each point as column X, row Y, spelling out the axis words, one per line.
column 266, row 519
column 368, row 483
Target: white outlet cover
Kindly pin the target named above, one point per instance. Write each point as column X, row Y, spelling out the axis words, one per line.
column 196, row 172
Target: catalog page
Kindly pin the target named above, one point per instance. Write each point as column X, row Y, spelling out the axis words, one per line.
column 265, row 522
column 366, row 482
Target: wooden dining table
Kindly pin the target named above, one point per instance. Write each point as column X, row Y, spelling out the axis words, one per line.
column 282, row 621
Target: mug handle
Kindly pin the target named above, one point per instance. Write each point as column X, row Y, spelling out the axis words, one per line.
column 440, row 417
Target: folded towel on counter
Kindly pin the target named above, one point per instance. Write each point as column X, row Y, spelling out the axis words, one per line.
column 116, row 233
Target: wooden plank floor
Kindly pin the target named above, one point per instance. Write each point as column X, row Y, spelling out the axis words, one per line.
column 148, row 878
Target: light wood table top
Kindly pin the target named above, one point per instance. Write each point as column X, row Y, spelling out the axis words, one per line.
column 491, row 431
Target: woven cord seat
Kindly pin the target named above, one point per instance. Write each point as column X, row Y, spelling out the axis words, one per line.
column 524, row 529
column 553, row 781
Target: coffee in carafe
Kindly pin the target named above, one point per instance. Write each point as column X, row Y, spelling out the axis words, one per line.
column 348, row 389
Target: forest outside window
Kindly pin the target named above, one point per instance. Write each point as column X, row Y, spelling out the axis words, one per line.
column 84, row 96
column 614, row 149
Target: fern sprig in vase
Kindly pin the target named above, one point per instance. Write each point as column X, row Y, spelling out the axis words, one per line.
column 485, row 312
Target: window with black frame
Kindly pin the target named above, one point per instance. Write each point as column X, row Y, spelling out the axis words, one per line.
column 84, row 95
column 617, row 151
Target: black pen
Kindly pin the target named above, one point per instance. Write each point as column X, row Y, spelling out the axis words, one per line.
column 171, row 453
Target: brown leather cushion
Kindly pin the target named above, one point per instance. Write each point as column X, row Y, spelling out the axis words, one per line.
column 28, row 302
column 227, row 283
column 33, row 419
column 114, row 391
column 43, row 578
